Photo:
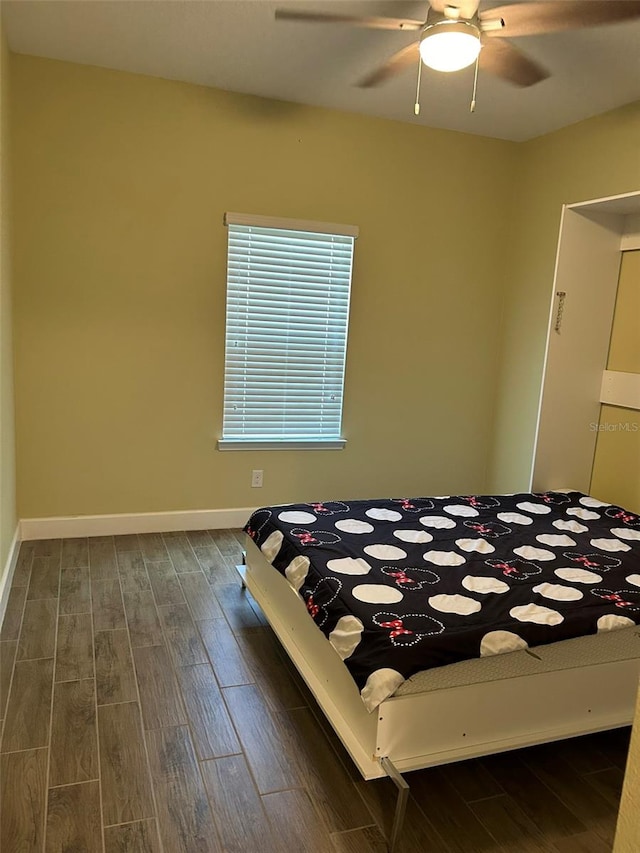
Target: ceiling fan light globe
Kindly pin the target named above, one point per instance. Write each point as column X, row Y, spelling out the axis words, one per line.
column 450, row 46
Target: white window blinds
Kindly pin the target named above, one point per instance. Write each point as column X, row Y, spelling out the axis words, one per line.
column 286, row 333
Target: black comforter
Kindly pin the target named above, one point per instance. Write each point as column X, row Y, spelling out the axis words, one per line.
column 401, row 585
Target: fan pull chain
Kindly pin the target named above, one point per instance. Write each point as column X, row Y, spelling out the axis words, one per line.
column 472, row 107
column 416, row 106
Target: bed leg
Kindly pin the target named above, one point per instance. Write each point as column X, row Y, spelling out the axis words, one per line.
column 241, row 570
column 401, row 803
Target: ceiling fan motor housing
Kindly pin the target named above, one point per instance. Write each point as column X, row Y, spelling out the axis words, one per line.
column 449, row 44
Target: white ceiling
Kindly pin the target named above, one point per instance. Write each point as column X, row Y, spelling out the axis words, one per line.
column 238, row 45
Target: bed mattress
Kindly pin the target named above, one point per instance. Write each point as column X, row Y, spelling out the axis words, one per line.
column 567, row 654
column 409, row 584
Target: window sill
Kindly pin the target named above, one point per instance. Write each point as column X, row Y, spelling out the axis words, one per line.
column 287, row 444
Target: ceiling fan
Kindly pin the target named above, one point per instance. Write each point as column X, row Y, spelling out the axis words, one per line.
column 457, row 33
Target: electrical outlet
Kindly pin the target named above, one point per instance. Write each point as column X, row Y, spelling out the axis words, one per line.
column 256, row 479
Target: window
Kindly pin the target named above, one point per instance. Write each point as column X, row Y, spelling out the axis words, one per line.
column 288, row 286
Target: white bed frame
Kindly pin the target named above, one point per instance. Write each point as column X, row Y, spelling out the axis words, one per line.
column 420, row 730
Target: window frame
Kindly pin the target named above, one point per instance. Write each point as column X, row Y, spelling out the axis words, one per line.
column 287, row 443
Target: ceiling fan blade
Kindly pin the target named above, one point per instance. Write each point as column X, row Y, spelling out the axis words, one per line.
column 401, row 60
column 502, row 59
column 530, row 19
column 375, row 23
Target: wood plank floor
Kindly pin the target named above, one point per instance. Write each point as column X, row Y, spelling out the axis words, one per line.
column 146, row 706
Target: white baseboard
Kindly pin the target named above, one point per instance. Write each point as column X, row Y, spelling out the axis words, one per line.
column 142, row 522
column 7, row 573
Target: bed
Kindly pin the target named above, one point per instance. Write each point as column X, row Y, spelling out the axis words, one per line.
column 435, row 629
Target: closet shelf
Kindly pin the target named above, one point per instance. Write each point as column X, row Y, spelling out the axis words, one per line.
column 620, row 389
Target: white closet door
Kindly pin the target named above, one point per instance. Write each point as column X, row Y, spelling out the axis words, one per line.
column 587, row 267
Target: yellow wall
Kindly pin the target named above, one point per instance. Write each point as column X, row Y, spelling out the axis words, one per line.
column 592, row 159
column 624, row 349
column 121, row 182
column 8, row 519
column 616, row 464
column 628, row 829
